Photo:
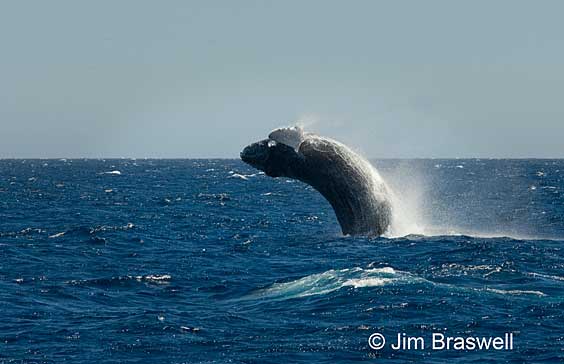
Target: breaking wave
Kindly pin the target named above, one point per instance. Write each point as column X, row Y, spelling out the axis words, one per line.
column 356, row 278
column 332, row 280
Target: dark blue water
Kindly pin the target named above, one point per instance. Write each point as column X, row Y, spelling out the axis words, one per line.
column 204, row 261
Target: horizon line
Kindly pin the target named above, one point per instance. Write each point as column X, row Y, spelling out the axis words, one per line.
column 237, row 158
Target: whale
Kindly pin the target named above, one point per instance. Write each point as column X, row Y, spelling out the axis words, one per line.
column 352, row 186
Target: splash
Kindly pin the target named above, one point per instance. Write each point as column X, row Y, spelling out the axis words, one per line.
column 413, row 213
column 407, row 194
column 307, row 121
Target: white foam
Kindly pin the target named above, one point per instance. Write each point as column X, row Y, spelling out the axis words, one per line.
column 240, row 176
column 333, row 280
column 515, row 292
column 115, row 172
column 546, row 276
column 367, row 282
column 233, row 174
column 154, row 278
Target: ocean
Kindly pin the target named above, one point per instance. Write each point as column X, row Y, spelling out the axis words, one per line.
column 208, row 261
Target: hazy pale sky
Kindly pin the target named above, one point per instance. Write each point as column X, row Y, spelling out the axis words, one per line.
column 205, row 78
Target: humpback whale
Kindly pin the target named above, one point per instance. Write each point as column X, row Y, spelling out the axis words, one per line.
column 355, row 190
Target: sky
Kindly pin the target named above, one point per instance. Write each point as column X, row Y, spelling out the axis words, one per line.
column 199, row 79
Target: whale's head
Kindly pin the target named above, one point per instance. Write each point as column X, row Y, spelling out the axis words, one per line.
column 257, row 154
column 273, row 158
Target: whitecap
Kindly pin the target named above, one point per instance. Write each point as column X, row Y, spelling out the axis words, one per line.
column 367, row 282
column 515, row 292
column 154, row 278
column 546, row 276
column 243, row 176
column 240, row 176
column 115, row 172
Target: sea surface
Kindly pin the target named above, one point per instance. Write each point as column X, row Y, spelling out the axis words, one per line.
column 208, row 261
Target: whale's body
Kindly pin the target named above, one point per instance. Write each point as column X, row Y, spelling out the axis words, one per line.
column 354, row 189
